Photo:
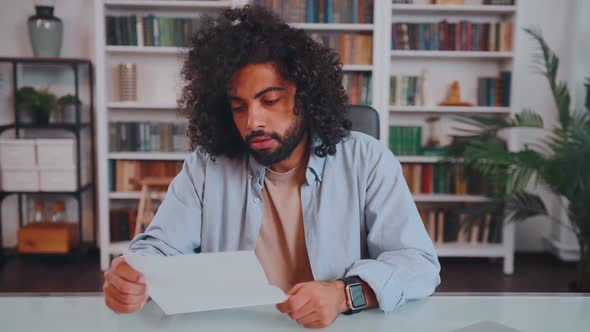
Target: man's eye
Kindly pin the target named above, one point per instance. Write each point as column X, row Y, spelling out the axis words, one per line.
column 237, row 108
column 271, row 102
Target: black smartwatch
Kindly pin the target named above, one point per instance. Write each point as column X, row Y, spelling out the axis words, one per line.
column 355, row 295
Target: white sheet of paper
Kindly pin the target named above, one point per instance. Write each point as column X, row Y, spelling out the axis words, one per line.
column 207, row 281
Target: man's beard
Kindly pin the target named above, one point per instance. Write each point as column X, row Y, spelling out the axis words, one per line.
column 287, row 144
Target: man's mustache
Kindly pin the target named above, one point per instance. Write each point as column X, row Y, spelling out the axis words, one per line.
column 262, row 133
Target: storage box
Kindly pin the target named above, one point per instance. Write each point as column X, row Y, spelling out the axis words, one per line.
column 57, row 179
column 56, row 153
column 17, row 153
column 48, row 238
column 21, row 179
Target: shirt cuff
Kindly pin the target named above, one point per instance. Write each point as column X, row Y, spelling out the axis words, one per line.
column 379, row 277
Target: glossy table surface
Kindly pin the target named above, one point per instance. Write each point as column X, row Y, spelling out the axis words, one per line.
column 87, row 312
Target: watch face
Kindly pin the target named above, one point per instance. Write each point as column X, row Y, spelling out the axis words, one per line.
column 357, row 296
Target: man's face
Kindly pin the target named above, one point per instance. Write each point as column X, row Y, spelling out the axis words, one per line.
column 262, row 106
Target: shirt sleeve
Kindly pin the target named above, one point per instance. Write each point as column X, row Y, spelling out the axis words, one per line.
column 176, row 227
column 402, row 263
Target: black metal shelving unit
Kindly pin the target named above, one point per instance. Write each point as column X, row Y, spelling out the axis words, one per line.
column 77, row 127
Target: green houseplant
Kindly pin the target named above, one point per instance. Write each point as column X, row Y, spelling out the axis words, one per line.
column 561, row 162
column 41, row 103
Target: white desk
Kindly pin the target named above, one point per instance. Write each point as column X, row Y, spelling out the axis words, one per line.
column 534, row 313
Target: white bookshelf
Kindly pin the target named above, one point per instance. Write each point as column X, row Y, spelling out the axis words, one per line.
column 448, row 198
column 155, row 4
column 147, row 156
column 467, row 9
column 141, row 106
column 340, row 27
column 444, row 67
column 154, row 104
column 475, row 110
column 167, row 60
column 419, row 159
column 452, row 54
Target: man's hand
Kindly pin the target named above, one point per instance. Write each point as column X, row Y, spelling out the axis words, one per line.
column 124, row 288
column 315, row 304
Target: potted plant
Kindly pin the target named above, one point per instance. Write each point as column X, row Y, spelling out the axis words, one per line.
column 561, row 162
column 40, row 103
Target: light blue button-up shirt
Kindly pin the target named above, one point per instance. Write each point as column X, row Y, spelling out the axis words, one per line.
column 358, row 215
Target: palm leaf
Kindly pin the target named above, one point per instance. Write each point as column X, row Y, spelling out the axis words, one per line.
column 523, row 205
column 548, row 67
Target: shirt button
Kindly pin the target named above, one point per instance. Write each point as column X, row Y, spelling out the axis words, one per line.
column 256, row 200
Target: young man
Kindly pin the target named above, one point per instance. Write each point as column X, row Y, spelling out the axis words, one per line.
column 277, row 170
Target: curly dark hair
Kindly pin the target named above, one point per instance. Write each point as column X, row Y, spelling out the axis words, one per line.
column 254, row 35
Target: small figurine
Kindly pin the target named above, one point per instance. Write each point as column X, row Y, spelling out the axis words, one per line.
column 454, row 96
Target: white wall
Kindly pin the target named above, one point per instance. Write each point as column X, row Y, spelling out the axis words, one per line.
column 566, row 30
column 77, row 19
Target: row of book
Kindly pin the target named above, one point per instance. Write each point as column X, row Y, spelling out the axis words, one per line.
column 494, row 91
column 446, row 36
column 147, row 137
column 321, row 11
column 355, row 49
column 405, row 140
column 122, row 224
column 150, row 30
column 450, row 226
column 126, row 175
column 404, row 90
column 442, row 178
column 358, row 87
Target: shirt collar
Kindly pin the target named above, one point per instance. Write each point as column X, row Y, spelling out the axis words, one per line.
column 315, row 165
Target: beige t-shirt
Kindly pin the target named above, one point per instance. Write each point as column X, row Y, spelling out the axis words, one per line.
column 281, row 245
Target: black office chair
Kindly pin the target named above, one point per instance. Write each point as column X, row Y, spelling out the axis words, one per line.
column 364, row 118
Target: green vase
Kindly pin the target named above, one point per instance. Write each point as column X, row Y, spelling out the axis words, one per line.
column 45, row 32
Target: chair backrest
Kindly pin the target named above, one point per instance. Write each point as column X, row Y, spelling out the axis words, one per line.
column 364, row 118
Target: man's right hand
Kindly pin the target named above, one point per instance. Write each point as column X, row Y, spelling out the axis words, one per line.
column 124, row 288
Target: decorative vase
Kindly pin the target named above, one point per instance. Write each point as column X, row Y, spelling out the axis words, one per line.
column 45, row 31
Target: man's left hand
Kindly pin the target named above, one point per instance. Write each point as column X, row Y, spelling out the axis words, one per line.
column 315, row 304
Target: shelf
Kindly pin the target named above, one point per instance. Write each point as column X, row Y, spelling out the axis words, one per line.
column 117, row 248
column 357, row 67
column 147, row 155
column 483, row 110
column 137, row 4
column 141, row 106
column 333, row 26
column 45, row 60
column 419, row 159
column 470, row 250
column 132, row 195
column 151, row 50
column 449, row 198
column 51, row 126
column 449, row 9
column 76, row 192
column 484, row 55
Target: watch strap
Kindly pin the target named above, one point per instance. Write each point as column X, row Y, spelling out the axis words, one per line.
column 347, row 282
